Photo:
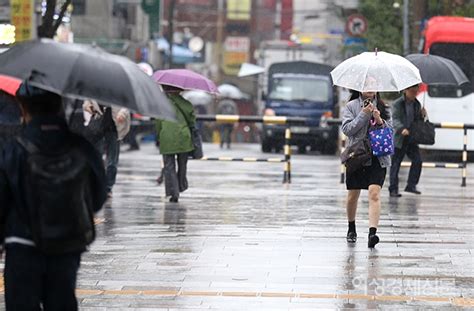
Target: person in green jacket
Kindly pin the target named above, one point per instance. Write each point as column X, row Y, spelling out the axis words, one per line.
column 176, row 143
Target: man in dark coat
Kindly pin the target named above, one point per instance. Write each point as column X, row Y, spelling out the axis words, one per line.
column 405, row 111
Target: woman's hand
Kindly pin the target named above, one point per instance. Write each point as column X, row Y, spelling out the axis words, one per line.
column 377, row 117
column 368, row 109
column 120, row 118
column 87, row 106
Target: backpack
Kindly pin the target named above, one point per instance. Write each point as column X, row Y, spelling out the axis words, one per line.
column 58, row 199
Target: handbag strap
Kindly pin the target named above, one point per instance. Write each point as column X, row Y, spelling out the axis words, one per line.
column 184, row 116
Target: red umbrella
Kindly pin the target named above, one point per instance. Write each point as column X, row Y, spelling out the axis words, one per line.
column 185, row 79
column 9, row 84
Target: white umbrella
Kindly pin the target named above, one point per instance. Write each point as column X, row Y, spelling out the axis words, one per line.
column 198, row 98
column 230, row 91
column 376, row 72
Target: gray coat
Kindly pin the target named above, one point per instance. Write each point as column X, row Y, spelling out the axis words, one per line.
column 355, row 125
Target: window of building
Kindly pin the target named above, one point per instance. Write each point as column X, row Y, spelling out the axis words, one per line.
column 79, row 7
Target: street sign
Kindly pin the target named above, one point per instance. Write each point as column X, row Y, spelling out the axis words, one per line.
column 236, row 52
column 354, row 46
column 356, row 25
column 22, row 18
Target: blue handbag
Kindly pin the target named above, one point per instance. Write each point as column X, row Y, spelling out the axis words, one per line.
column 381, row 141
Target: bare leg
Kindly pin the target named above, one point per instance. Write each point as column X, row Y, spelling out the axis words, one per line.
column 351, row 206
column 374, row 205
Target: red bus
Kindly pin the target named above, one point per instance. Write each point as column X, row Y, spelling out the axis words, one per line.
column 451, row 37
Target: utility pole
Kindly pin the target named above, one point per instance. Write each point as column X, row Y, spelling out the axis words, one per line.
column 420, row 11
column 278, row 20
column 406, row 27
column 219, row 38
column 170, row 32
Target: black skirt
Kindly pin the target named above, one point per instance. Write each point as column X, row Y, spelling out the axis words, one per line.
column 366, row 175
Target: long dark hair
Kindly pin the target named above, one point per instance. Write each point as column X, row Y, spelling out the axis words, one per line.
column 381, row 106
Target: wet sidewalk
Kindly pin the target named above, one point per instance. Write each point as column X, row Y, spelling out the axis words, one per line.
column 241, row 240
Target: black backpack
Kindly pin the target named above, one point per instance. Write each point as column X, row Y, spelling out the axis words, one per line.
column 58, row 199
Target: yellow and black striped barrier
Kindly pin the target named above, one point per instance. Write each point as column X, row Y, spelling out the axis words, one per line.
column 258, row 119
column 229, row 159
column 443, row 125
column 225, row 118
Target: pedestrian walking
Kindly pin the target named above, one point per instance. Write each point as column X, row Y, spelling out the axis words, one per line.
column 227, row 107
column 175, row 143
column 115, row 124
column 131, row 138
column 51, row 183
column 406, row 110
column 362, row 110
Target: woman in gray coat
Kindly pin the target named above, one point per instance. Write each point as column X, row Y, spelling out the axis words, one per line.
column 362, row 110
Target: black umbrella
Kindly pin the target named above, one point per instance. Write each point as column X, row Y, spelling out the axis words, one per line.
column 86, row 72
column 438, row 70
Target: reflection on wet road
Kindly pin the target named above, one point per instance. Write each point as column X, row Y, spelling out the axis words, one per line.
column 241, row 240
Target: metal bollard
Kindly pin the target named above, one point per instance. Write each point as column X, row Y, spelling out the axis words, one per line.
column 287, row 150
column 464, row 160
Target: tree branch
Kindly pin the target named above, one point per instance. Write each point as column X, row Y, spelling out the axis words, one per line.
column 61, row 15
column 48, row 19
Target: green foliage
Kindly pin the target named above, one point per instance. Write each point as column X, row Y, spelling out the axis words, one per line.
column 445, row 7
column 466, row 10
column 385, row 26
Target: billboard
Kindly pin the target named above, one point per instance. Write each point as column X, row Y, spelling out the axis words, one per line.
column 236, row 52
column 22, row 18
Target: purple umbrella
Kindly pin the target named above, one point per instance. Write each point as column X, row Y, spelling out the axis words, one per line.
column 185, row 79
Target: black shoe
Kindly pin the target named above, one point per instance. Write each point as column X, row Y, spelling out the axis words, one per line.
column 412, row 190
column 174, row 199
column 395, row 194
column 373, row 240
column 351, row 237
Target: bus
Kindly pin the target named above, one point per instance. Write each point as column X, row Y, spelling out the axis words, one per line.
column 451, row 37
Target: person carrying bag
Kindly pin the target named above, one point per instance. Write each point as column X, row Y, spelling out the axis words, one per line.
column 370, row 171
column 407, row 113
column 175, row 143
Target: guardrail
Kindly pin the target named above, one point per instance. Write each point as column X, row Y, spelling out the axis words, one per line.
column 256, row 119
column 443, row 125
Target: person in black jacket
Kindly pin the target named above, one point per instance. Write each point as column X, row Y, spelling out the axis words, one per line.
column 33, row 277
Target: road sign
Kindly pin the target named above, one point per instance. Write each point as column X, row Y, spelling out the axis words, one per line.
column 356, row 25
column 236, row 52
column 22, row 17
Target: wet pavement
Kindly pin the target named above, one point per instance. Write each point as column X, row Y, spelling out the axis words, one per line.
column 239, row 239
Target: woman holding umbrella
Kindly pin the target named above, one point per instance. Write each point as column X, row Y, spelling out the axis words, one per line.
column 361, row 111
column 175, row 139
column 175, row 143
column 369, row 73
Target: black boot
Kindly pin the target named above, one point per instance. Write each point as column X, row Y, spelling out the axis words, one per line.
column 373, row 238
column 351, row 233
